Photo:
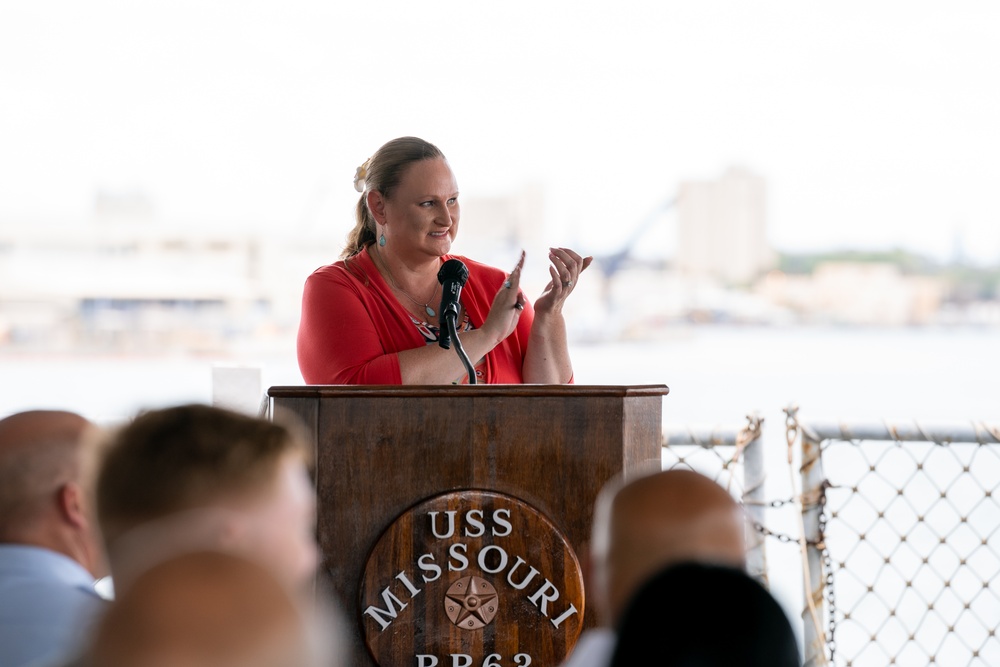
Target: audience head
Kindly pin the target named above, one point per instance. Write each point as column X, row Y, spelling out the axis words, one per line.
column 655, row 520
column 47, row 461
column 697, row 615
column 381, row 173
column 197, row 477
column 204, row 609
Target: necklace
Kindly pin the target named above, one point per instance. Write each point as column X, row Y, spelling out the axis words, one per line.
column 426, row 306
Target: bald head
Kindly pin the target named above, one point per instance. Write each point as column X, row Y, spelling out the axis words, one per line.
column 657, row 520
column 40, row 451
column 47, row 467
column 203, row 608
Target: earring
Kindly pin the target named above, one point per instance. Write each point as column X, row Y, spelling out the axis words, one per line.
column 381, row 240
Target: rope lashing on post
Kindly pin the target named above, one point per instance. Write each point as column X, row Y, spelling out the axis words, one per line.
column 792, row 435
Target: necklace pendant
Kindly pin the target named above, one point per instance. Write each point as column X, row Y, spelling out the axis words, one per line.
column 430, row 311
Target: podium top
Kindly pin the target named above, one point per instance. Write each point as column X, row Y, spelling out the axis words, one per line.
column 462, row 390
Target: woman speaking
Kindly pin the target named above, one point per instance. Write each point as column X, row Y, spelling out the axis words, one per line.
column 372, row 317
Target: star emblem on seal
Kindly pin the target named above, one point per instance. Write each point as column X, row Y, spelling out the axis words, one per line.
column 471, row 603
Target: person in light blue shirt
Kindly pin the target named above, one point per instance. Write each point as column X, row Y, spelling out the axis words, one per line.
column 50, row 553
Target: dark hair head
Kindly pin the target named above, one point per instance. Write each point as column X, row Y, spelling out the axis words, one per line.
column 183, row 458
column 382, row 172
column 694, row 615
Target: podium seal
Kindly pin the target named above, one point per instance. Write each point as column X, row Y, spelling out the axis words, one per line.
column 471, row 579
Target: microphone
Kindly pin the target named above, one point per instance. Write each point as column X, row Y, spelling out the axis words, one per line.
column 453, row 275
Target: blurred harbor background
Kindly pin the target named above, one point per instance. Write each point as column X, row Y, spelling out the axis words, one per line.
column 751, row 181
column 128, row 313
column 786, row 203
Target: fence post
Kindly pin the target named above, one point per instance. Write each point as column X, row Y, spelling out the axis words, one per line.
column 813, row 481
column 754, row 476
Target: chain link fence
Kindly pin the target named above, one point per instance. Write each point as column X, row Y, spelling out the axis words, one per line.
column 899, row 533
column 733, row 457
column 903, row 529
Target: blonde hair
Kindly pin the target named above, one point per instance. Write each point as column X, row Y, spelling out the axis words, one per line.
column 382, row 172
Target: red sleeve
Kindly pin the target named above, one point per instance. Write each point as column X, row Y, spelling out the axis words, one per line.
column 338, row 340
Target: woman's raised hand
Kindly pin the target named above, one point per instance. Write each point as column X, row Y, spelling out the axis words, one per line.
column 507, row 305
column 565, row 269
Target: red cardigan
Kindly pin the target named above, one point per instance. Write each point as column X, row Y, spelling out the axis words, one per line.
column 352, row 325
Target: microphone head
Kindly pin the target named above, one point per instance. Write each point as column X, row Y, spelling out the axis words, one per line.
column 453, row 270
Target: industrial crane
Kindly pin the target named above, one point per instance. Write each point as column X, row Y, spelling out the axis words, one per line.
column 613, row 263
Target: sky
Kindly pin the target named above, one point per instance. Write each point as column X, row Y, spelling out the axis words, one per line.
column 876, row 124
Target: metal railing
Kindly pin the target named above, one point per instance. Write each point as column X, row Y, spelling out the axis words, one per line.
column 902, row 529
column 899, row 536
column 733, row 457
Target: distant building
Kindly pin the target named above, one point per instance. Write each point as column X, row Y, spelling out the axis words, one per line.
column 123, row 207
column 146, row 288
column 124, row 282
column 493, row 227
column 866, row 293
column 722, row 228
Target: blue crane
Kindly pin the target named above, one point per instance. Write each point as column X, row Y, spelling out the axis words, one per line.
column 613, row 263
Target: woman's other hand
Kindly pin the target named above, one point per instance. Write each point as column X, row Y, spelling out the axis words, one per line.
column 507, row 305
column 565, row 269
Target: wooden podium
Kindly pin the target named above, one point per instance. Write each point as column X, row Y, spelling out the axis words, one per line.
column 514, row 468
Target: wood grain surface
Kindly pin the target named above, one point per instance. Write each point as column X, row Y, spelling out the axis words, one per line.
column 382, row 450
column 415, row 596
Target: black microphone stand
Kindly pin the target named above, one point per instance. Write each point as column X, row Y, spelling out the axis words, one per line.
column 449, row 320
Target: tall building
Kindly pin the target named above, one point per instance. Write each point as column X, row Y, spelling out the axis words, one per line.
column 495, row 226
column 722, row 228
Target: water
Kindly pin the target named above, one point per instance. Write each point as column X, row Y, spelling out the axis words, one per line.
column 715, row 374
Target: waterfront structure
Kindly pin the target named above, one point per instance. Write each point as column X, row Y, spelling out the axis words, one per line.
column 861, row 293
column 721, row 229
column 502, row 224
column 134, row 287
